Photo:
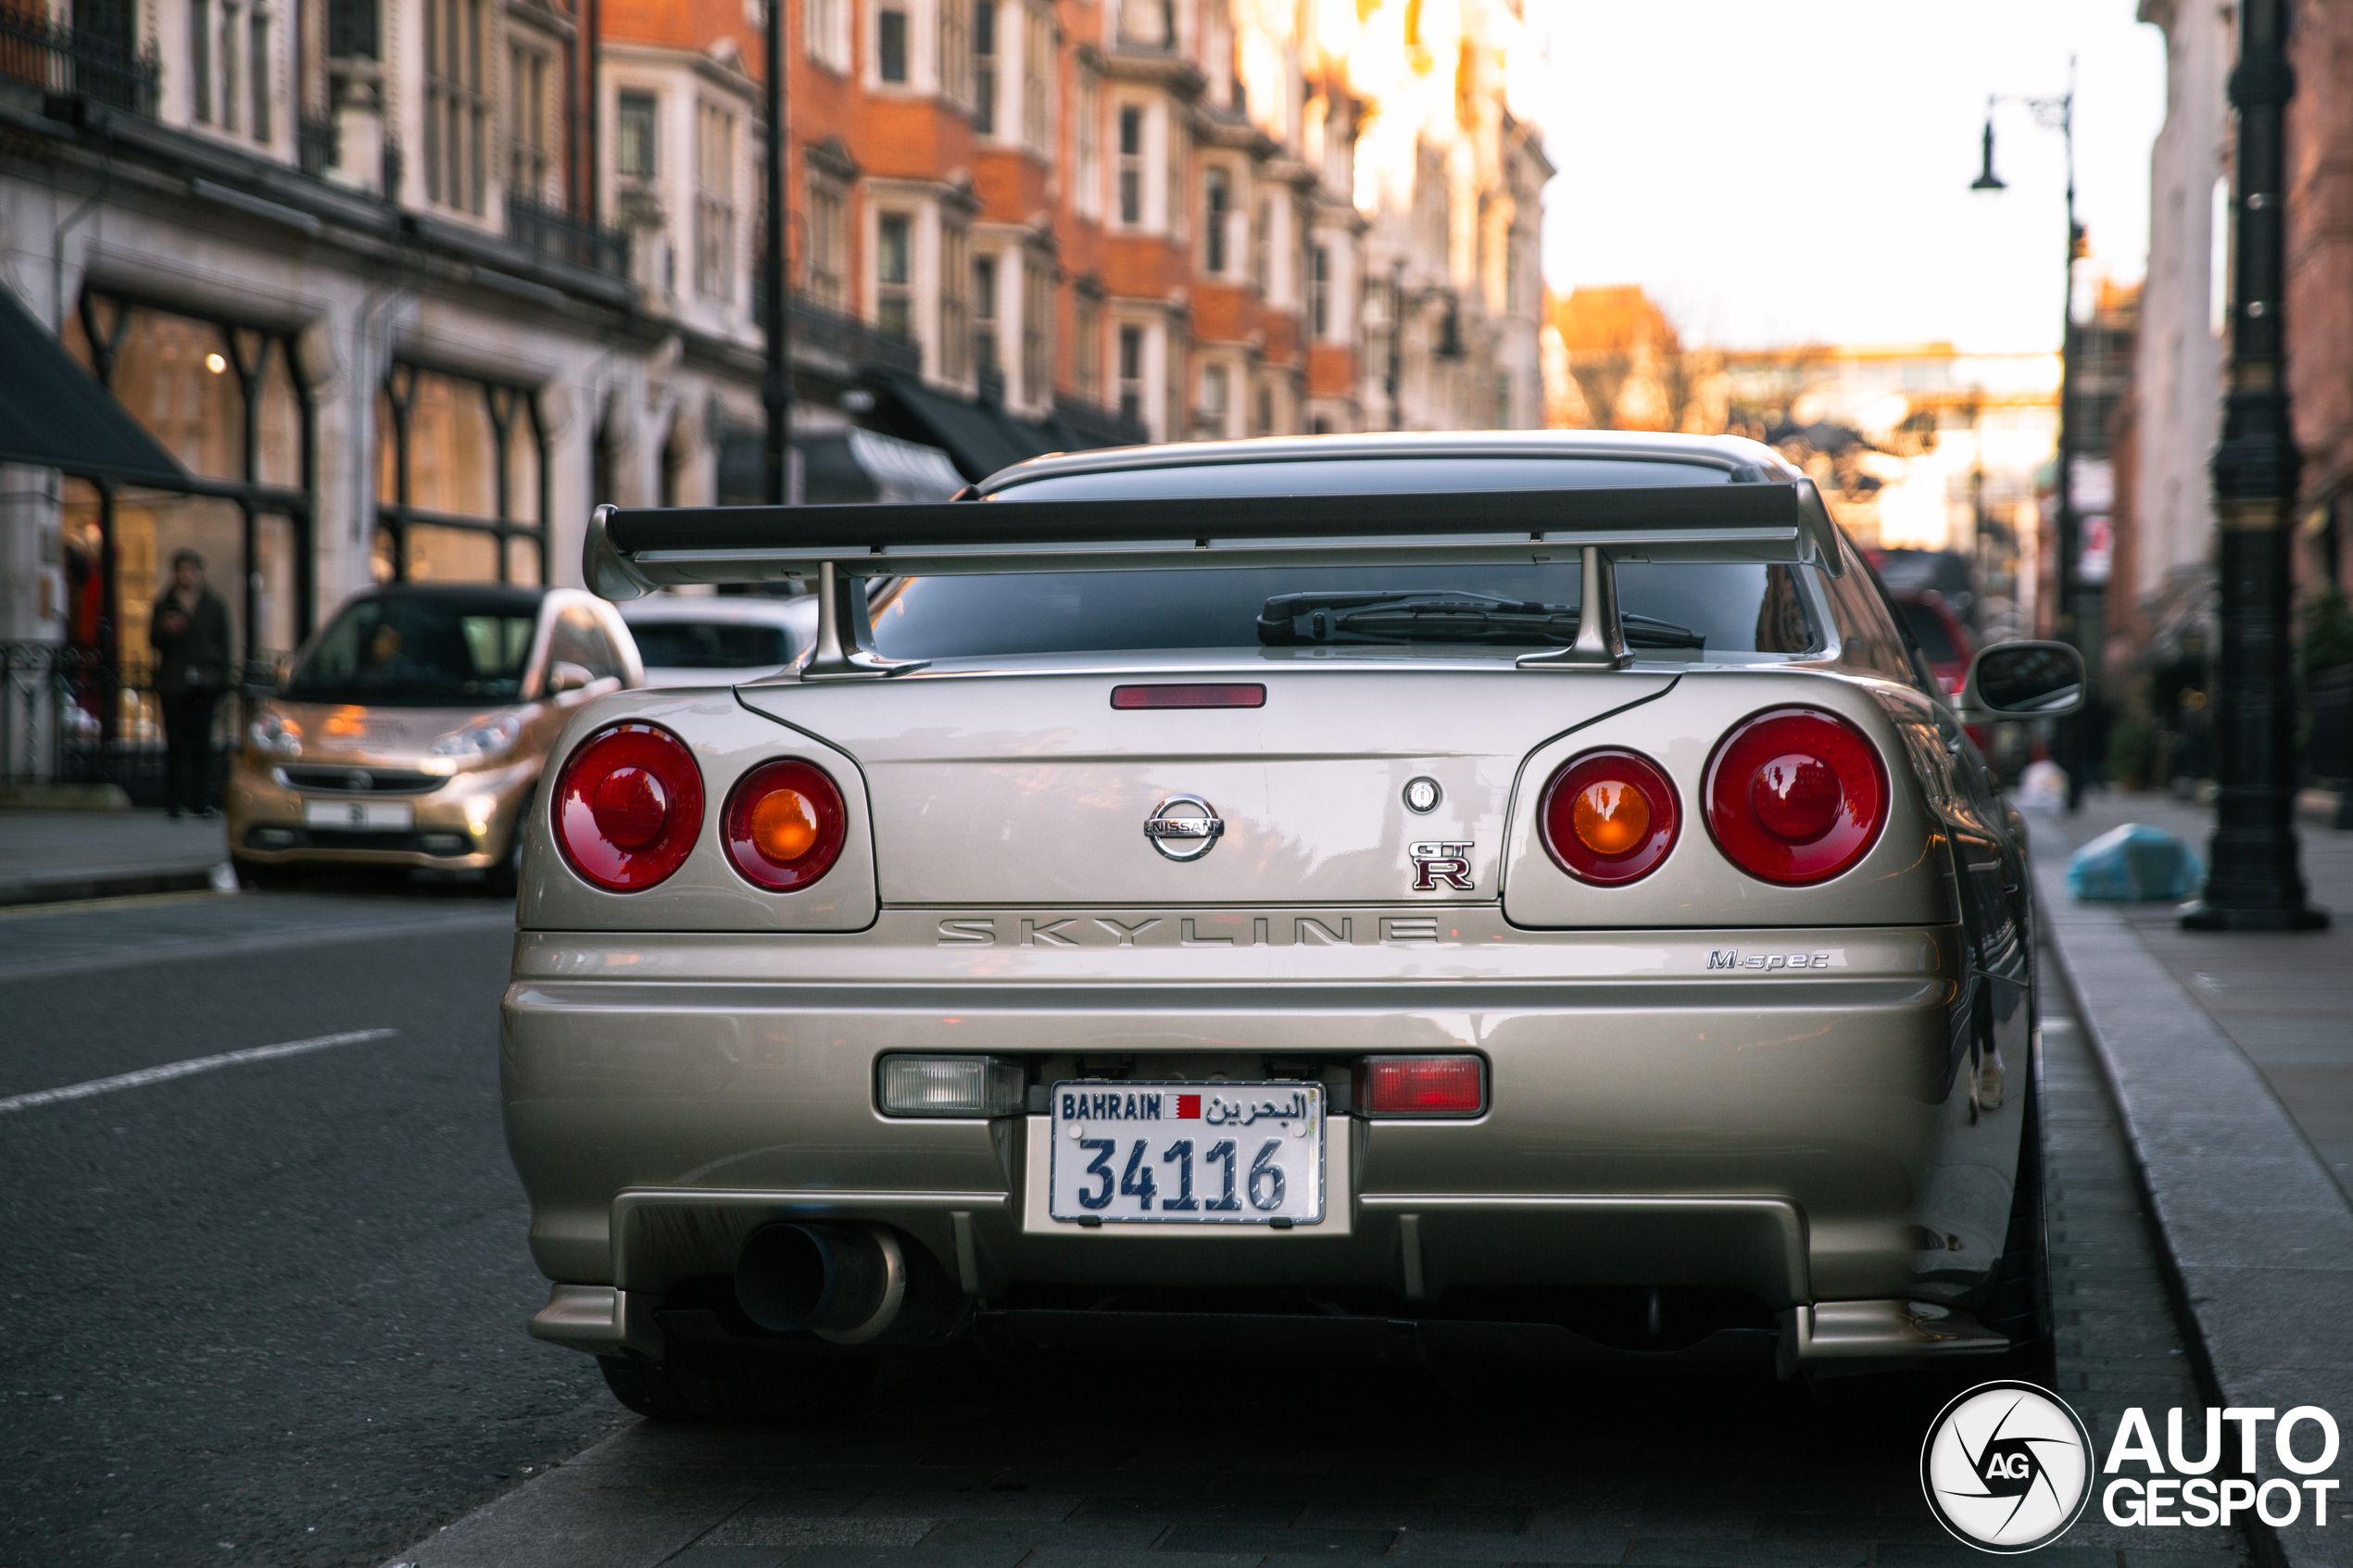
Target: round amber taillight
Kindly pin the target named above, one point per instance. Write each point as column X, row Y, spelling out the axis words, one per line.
column 784, row 825
column 1609, row 816
column 628, row 807
column 1796, row 796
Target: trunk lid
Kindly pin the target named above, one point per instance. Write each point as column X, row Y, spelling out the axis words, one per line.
column 1002, row 788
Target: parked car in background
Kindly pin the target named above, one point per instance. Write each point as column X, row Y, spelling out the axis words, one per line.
column 413, row 729
column 708, row 640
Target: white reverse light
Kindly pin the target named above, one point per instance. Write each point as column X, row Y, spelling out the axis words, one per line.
column 951, row 1086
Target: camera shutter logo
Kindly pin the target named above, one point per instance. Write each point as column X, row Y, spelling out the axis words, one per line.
column 2006, row 1467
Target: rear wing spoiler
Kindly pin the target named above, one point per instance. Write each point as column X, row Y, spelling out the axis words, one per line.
column 630, row 553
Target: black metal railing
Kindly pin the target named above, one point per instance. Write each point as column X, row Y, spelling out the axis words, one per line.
column 844, row 337
column 552, row 231
column 64, row 64
column 317, row 143
column 69, row 717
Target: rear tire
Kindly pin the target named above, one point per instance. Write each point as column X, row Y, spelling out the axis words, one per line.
column 2017, row 1301
column 740, row 1389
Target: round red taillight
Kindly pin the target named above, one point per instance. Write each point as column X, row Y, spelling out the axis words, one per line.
column 784, row 823
column 628, row 807
column 1796, row 796
column 1609, row 816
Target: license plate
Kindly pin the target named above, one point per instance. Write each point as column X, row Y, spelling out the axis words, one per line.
column 1201, row 1154
column 359, row 816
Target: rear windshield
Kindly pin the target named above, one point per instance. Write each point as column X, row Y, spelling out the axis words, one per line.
column 1928, row 630
column 418, row 652
column 1670, row 609
column 709, row 644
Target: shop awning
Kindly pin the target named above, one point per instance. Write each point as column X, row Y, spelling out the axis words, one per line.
column 980, row 439
column 844, row 467
column 54, row 415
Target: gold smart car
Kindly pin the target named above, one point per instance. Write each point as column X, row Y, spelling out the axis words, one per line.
column 413, row 729
column 1515, row 895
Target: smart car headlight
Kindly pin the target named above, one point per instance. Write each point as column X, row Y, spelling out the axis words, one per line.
column 274, row 735
column 488, row 738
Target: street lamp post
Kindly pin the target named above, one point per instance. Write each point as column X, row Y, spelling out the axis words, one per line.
column 776, row 384
column 2255, row 884
column 2080, row 608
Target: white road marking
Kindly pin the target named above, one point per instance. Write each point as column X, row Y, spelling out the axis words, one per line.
column 172, row 1069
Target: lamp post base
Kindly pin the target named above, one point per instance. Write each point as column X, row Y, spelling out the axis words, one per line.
column 2200, row 915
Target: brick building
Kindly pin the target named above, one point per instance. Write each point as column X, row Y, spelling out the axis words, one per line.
column 403, row 288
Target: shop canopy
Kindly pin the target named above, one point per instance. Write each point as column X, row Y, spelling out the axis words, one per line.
column 54, row 415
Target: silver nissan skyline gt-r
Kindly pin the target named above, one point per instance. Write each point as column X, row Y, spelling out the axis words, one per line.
column 1514, row 896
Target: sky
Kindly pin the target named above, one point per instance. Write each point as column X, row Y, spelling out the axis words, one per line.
column 1786, row 171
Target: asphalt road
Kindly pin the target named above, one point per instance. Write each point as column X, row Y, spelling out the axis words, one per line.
column 273, row 1312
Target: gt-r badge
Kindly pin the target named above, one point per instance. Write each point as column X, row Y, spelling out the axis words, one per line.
column 1184, row 827
column 1440, row 865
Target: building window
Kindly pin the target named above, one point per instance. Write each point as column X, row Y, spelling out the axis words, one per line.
column 955, row 49
column 229, row 66
column 955, row 326
column 1131, row 164
column 828, row 249
column 1502, row 400
column 1037, row 337
column 891, row 43
column 1037, row 79
column 1175, row 209
column 1266, row 425
column 529, row 167
column 1131, row 373
column 1087, row 144
column 826, row 24
column 462, row 481
column 1212, row 398
column 714, row 203
column 985, row 313
column 1261, row 243
column 1086, row 353
column 1320, row 293
column 894, row 274
column 634, row 147
column 1217, row 200
column 457, row 109
column 985, row 67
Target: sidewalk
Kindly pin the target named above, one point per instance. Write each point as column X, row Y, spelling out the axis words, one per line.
column 2231, row 1061
column 2287, row 1002
column 57, row 857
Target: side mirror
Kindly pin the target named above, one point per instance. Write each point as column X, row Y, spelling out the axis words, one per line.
column 564, row 677
column 2023, row 681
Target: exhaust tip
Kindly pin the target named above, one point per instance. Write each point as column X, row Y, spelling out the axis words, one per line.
column 845, row 1282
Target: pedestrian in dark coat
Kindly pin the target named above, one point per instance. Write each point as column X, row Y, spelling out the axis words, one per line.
column 190, row 634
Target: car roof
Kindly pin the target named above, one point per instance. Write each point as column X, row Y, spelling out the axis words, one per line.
column 1744, row 459
column 730, row 609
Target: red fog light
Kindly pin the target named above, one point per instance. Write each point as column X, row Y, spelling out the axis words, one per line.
column 1609, row 816
column 628, row 807
column 1421, row 1085
column 1796, row 796
column 784, row 825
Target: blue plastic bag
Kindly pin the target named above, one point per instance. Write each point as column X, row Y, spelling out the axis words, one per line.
column 2133, row 863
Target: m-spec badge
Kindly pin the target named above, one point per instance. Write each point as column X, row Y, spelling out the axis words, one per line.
column 1440, row 865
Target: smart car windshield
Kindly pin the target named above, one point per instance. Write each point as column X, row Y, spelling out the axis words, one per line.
column 414, row 651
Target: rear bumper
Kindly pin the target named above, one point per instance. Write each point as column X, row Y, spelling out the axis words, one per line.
column 1803, row 1138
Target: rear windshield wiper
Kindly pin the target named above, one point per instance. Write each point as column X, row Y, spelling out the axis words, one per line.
column 1442, row 615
